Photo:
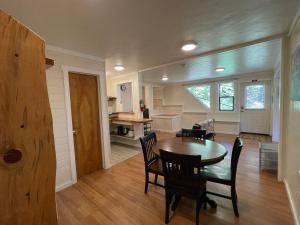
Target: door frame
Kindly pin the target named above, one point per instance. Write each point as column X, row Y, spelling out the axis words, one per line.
column 242, row 99
column 103, row 114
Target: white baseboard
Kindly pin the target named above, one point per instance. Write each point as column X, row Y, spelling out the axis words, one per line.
column 166, row 131
column 293, row 207
column 225, row 132
column 64, row 185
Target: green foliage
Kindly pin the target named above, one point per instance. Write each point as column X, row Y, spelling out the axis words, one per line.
column 226, row 89
column 226, row 96
column 201, row 93
column 255, row 96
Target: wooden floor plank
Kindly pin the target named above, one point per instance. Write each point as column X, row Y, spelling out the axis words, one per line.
column 116, row 196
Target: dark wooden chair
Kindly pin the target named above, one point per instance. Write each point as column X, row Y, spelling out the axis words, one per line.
column 226, row 174
column 196, row 133
column 151, row 160
column 182, row 178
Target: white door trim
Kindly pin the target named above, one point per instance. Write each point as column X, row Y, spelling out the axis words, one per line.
column 268, row 102
column 103, row 113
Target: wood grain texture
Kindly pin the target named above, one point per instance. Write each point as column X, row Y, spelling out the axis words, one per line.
column 27, row 187
column 86, row 123
column 116, row 196
column 210, row 151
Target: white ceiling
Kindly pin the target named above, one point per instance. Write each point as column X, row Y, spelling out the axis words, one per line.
column 250, row 59
column 146, row 33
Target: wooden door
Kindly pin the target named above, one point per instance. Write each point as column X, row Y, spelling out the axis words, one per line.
column 27, row 154
column 86, row 123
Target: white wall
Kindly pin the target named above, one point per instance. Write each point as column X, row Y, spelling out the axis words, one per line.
column 55, row 84
column 149, row 97
column 291, row 125
column 124, row 98
column 112, row 86
column 276, row 104
column 176, row 99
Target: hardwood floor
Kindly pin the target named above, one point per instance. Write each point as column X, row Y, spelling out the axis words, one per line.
column 116, row 196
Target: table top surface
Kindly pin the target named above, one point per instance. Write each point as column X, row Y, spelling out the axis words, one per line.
column 210, row 151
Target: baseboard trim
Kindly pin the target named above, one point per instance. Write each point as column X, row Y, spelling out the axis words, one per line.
column 294, row 211
column 166, row 131
column 64, row 185
column 224, row 132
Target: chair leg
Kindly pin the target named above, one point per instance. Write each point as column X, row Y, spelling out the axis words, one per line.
column 234, row 201
column 205, row 200
column 198, row 207
column 176, row 202
column 155, row 179
column 168, row 201
column 146, row 182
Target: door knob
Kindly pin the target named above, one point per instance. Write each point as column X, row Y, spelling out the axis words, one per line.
column 74, row 131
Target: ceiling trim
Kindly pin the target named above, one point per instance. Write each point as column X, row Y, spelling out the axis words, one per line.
column 73, row 53
column 295, row 20
column 213, row 79
column 220, row 50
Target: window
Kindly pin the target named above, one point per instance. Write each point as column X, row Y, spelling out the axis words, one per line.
column 255, row 96
column 226, row 96
column 201, row 93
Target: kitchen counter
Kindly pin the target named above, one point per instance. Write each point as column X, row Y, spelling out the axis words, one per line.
column 131, row 120
column 135, row 129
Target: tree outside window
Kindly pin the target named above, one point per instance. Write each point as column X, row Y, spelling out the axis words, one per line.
column 255, row 96
column 201, row 93
column 226, row 96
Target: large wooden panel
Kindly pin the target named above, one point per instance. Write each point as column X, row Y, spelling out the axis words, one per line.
column 27, row 155
column 86, row 123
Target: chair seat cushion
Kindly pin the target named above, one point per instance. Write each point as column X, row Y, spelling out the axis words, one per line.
column 156, row 167
column 220, row 173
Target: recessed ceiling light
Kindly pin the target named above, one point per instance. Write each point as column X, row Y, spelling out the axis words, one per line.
column 189, row 46
column 220, row 69
column 119, row 68
column 164, row 78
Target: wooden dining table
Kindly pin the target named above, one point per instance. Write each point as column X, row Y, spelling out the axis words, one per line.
column 210, row 151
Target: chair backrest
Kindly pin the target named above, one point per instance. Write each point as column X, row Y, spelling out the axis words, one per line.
column 178, row 167
column 236, row 151
column 196, row 133
column 147, row 142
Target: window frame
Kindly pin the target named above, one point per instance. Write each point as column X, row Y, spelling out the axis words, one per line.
column 224, row 97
